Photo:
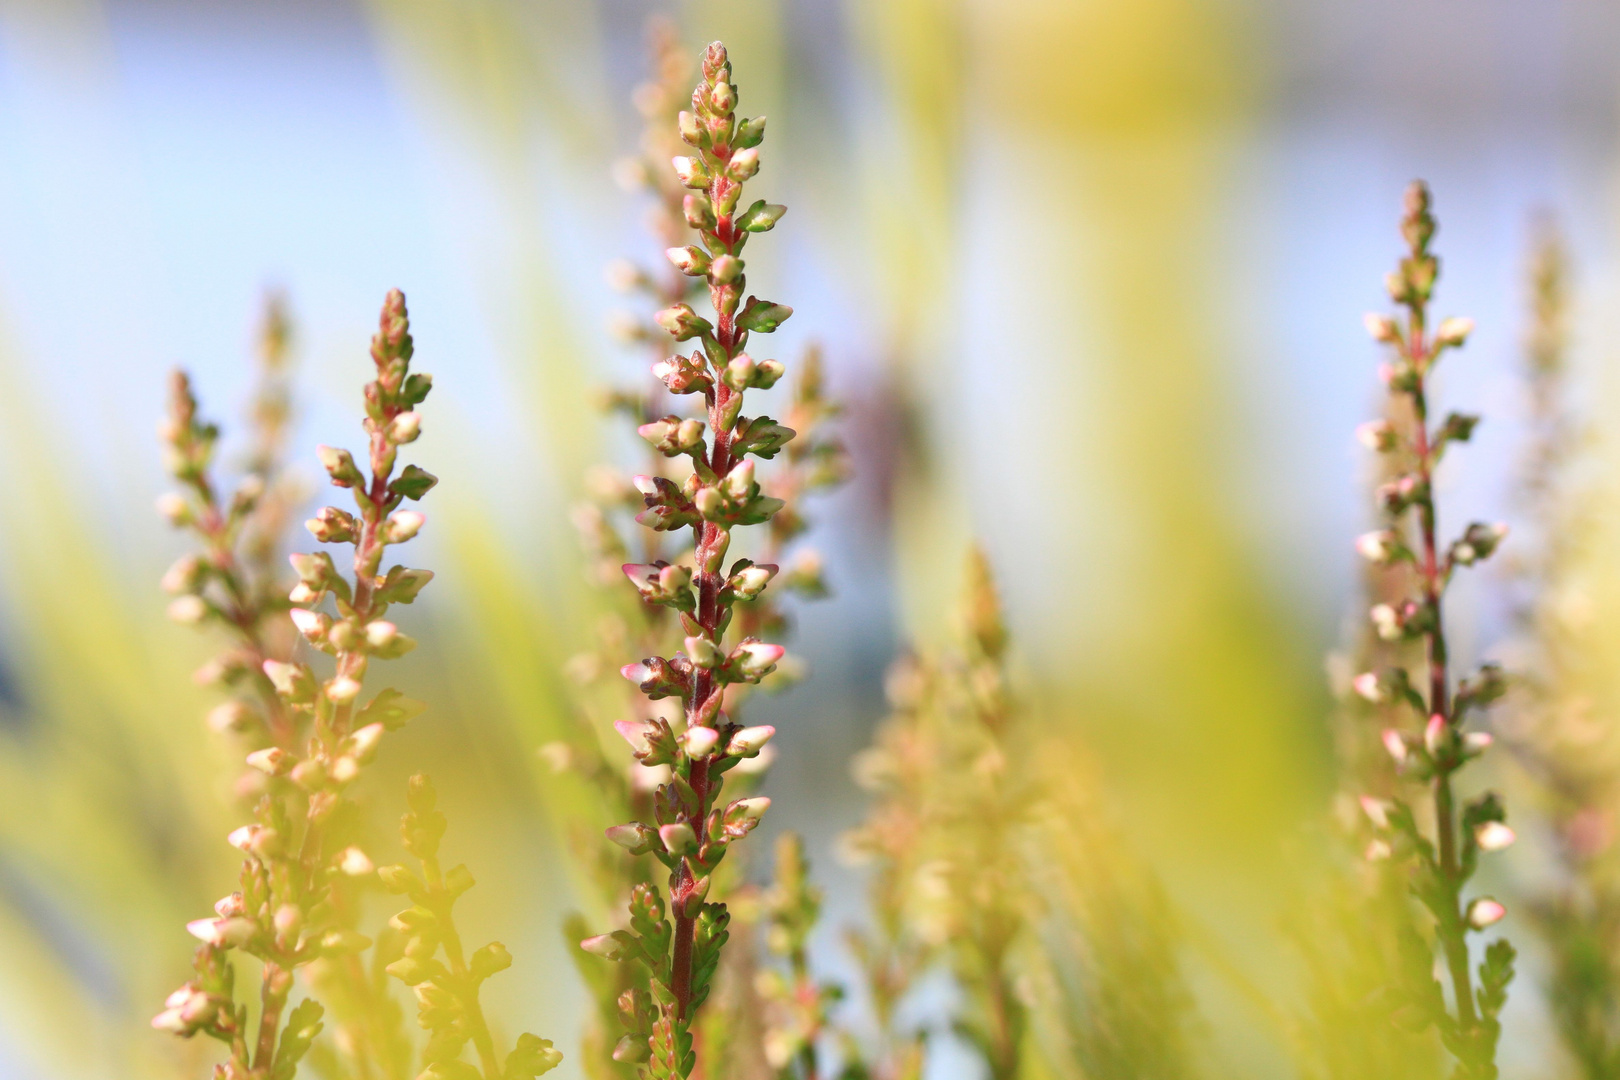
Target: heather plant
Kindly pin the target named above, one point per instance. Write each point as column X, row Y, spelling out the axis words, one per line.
column 947, row 840
column 301, row 882
column 1443, row 853
column 447, row 990
column 798, row 1004
column 1559, row 732
column 676, row 935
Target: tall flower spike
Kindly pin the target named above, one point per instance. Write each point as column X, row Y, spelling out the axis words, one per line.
column 290, row 911
column 1441, row 865
column 1556, row 733
column 678, row 940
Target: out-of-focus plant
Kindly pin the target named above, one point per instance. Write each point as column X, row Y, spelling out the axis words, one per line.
column 447, row 991
column 798, row 1004
column 1440, row 866
column 308, row 738
column 1558, row 731
column 678, row 941
column 989, row 855
column 948, row 837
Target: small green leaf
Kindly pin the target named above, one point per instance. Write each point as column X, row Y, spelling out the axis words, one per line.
column 413, row 483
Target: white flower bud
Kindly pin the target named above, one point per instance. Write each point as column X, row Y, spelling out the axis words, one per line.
column 272, row 760
column 404, row 428
column 342, row 690
column 1485, row 912
column 1476, row 743
column 184, row 576
column 699, row 742
column 354, row 863
column 174, row 507
column 229, row 716
column 678, row 838
column 1378, row 546
column 603, row 945
column 1381, row 327
column 704, row 653
column 748, row 810
column 1494, row 836
column 312, row 624
column 363, row 743
column 188, row 610
column 743, row 164
column 1377, row 435
column 1453, row 332
column 750, row 741
column 691, row 172
column 401, row 526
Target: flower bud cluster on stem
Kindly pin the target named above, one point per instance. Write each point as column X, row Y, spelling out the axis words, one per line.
column 677, row 936
column 294, row 909
column 1566, row 746
column 948, row 836
column 1443, row 744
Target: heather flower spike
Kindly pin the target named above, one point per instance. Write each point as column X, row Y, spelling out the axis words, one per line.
column 676, row 935
column 1441, row 864
column 308, row 736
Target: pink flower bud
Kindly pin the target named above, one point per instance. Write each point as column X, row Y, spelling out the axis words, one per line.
column 1396, row 745
column 1436, row 734
column 1494, row 836
column 1377, row 811
column 1485, row 912
column 1366, row 685
column 603, row 945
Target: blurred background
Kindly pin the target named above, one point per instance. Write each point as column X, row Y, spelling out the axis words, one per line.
column 1088, row 276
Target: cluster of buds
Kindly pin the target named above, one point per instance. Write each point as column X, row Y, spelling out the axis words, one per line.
column 799, row 1004
column 1441, row 866
column 288, row 912
column 447, row 990
column 946, row 836
column 686, row 827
